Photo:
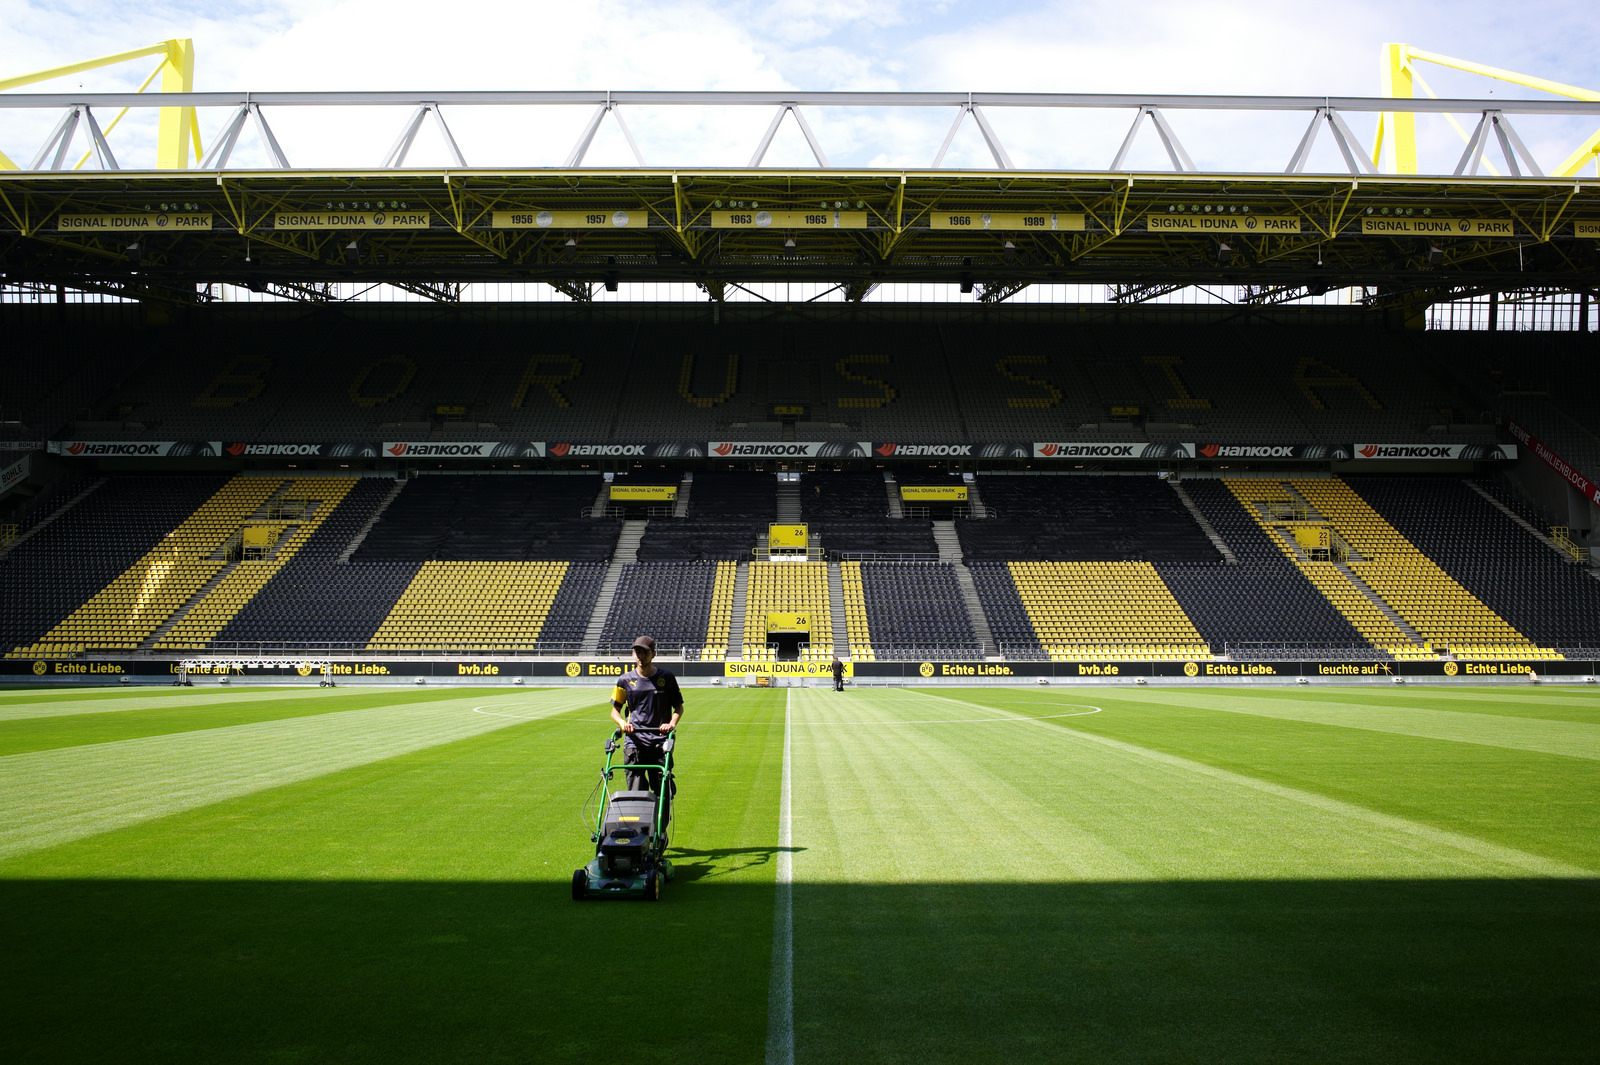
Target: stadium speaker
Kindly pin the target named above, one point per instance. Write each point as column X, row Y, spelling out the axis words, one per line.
column 966, row 286
column 1435, row 254
column 135, row 253
column 1224, row 253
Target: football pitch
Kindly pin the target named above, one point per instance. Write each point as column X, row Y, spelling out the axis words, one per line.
column 885, row 875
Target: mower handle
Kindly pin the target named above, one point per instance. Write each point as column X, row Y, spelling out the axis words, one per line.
column 616, row 736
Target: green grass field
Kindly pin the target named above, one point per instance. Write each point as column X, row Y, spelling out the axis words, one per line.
column 970, row 875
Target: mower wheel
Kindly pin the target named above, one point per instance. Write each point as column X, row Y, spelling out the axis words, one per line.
column 580, row 885
column 652, row 887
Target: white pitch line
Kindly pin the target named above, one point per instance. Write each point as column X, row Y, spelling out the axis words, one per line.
column 780, row 985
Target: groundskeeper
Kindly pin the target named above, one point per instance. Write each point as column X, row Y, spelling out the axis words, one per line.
column 647, row 704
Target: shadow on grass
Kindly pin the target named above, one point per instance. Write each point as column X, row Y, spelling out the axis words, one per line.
column 1236, row 971
column 690, row 865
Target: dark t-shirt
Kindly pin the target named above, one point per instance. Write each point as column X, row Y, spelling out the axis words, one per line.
column 649, row 700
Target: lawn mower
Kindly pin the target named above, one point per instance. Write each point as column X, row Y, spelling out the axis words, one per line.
column 629, row 834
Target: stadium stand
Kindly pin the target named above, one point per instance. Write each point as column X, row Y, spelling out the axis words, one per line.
column 1446, row 615
column 728, row 513
column 1067, row 518
column 316, row 601
column 472, row 606
column 781, row 587
column 127, row 610
column 912, row 610
column 1262, row 606
column 1088, row 610
column 51, row 574
column 1278, row 508
column 530, row 517
column 305, row 503
column 671, row 601
column 1539, row 592
column 299, row 373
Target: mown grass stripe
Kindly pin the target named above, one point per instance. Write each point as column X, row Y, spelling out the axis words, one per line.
column 115, row 701
column 780, row 982
column 1466, row 853
column 1570, row 739
column 79, row 730
column 64, row 794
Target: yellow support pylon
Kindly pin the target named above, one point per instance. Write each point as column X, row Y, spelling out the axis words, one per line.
column 1399, row 128
column 179, row 128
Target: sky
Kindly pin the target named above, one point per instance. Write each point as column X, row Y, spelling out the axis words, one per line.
column 1090, row 46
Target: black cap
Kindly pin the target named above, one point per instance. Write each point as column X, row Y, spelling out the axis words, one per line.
column 647, row 642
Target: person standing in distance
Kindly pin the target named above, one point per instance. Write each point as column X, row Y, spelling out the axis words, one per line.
column 646, row 704
column 838, row 674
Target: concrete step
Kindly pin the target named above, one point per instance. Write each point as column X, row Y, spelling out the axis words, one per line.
column 841, row 635
column 1205, row 526
column 980, row 620
column 377, row 515
column 741, row 585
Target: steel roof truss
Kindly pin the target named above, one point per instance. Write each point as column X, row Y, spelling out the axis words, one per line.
column 1515, row 152
column 586, row 138
column 397, row 154
column 60, row 140
column 1169, row 140
column 997, row 151
column 772, row 130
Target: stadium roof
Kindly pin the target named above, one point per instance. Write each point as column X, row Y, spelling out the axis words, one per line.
column 1283, row 234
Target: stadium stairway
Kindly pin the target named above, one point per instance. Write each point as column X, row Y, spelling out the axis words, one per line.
column 124, row 613
column 890, row 486
column 199, row 621
column 680, row 509
column 974, row 605
column 377, row 516
column 737, row 613
column 1541, row 535
column 836, row 600
column 1205, row 525
column 789, row 501
column 625, row 554
column 1445, row 614
column 43, row 522
column 975, row 505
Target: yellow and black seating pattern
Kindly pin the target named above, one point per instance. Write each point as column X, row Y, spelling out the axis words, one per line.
column 855, row 613
column 1090, row 610
column 123, row 614
column 472, row 606
column 216, row 608
column 721, row 618
column 788, row 587
column 1261, row 498
column 1432, row 602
